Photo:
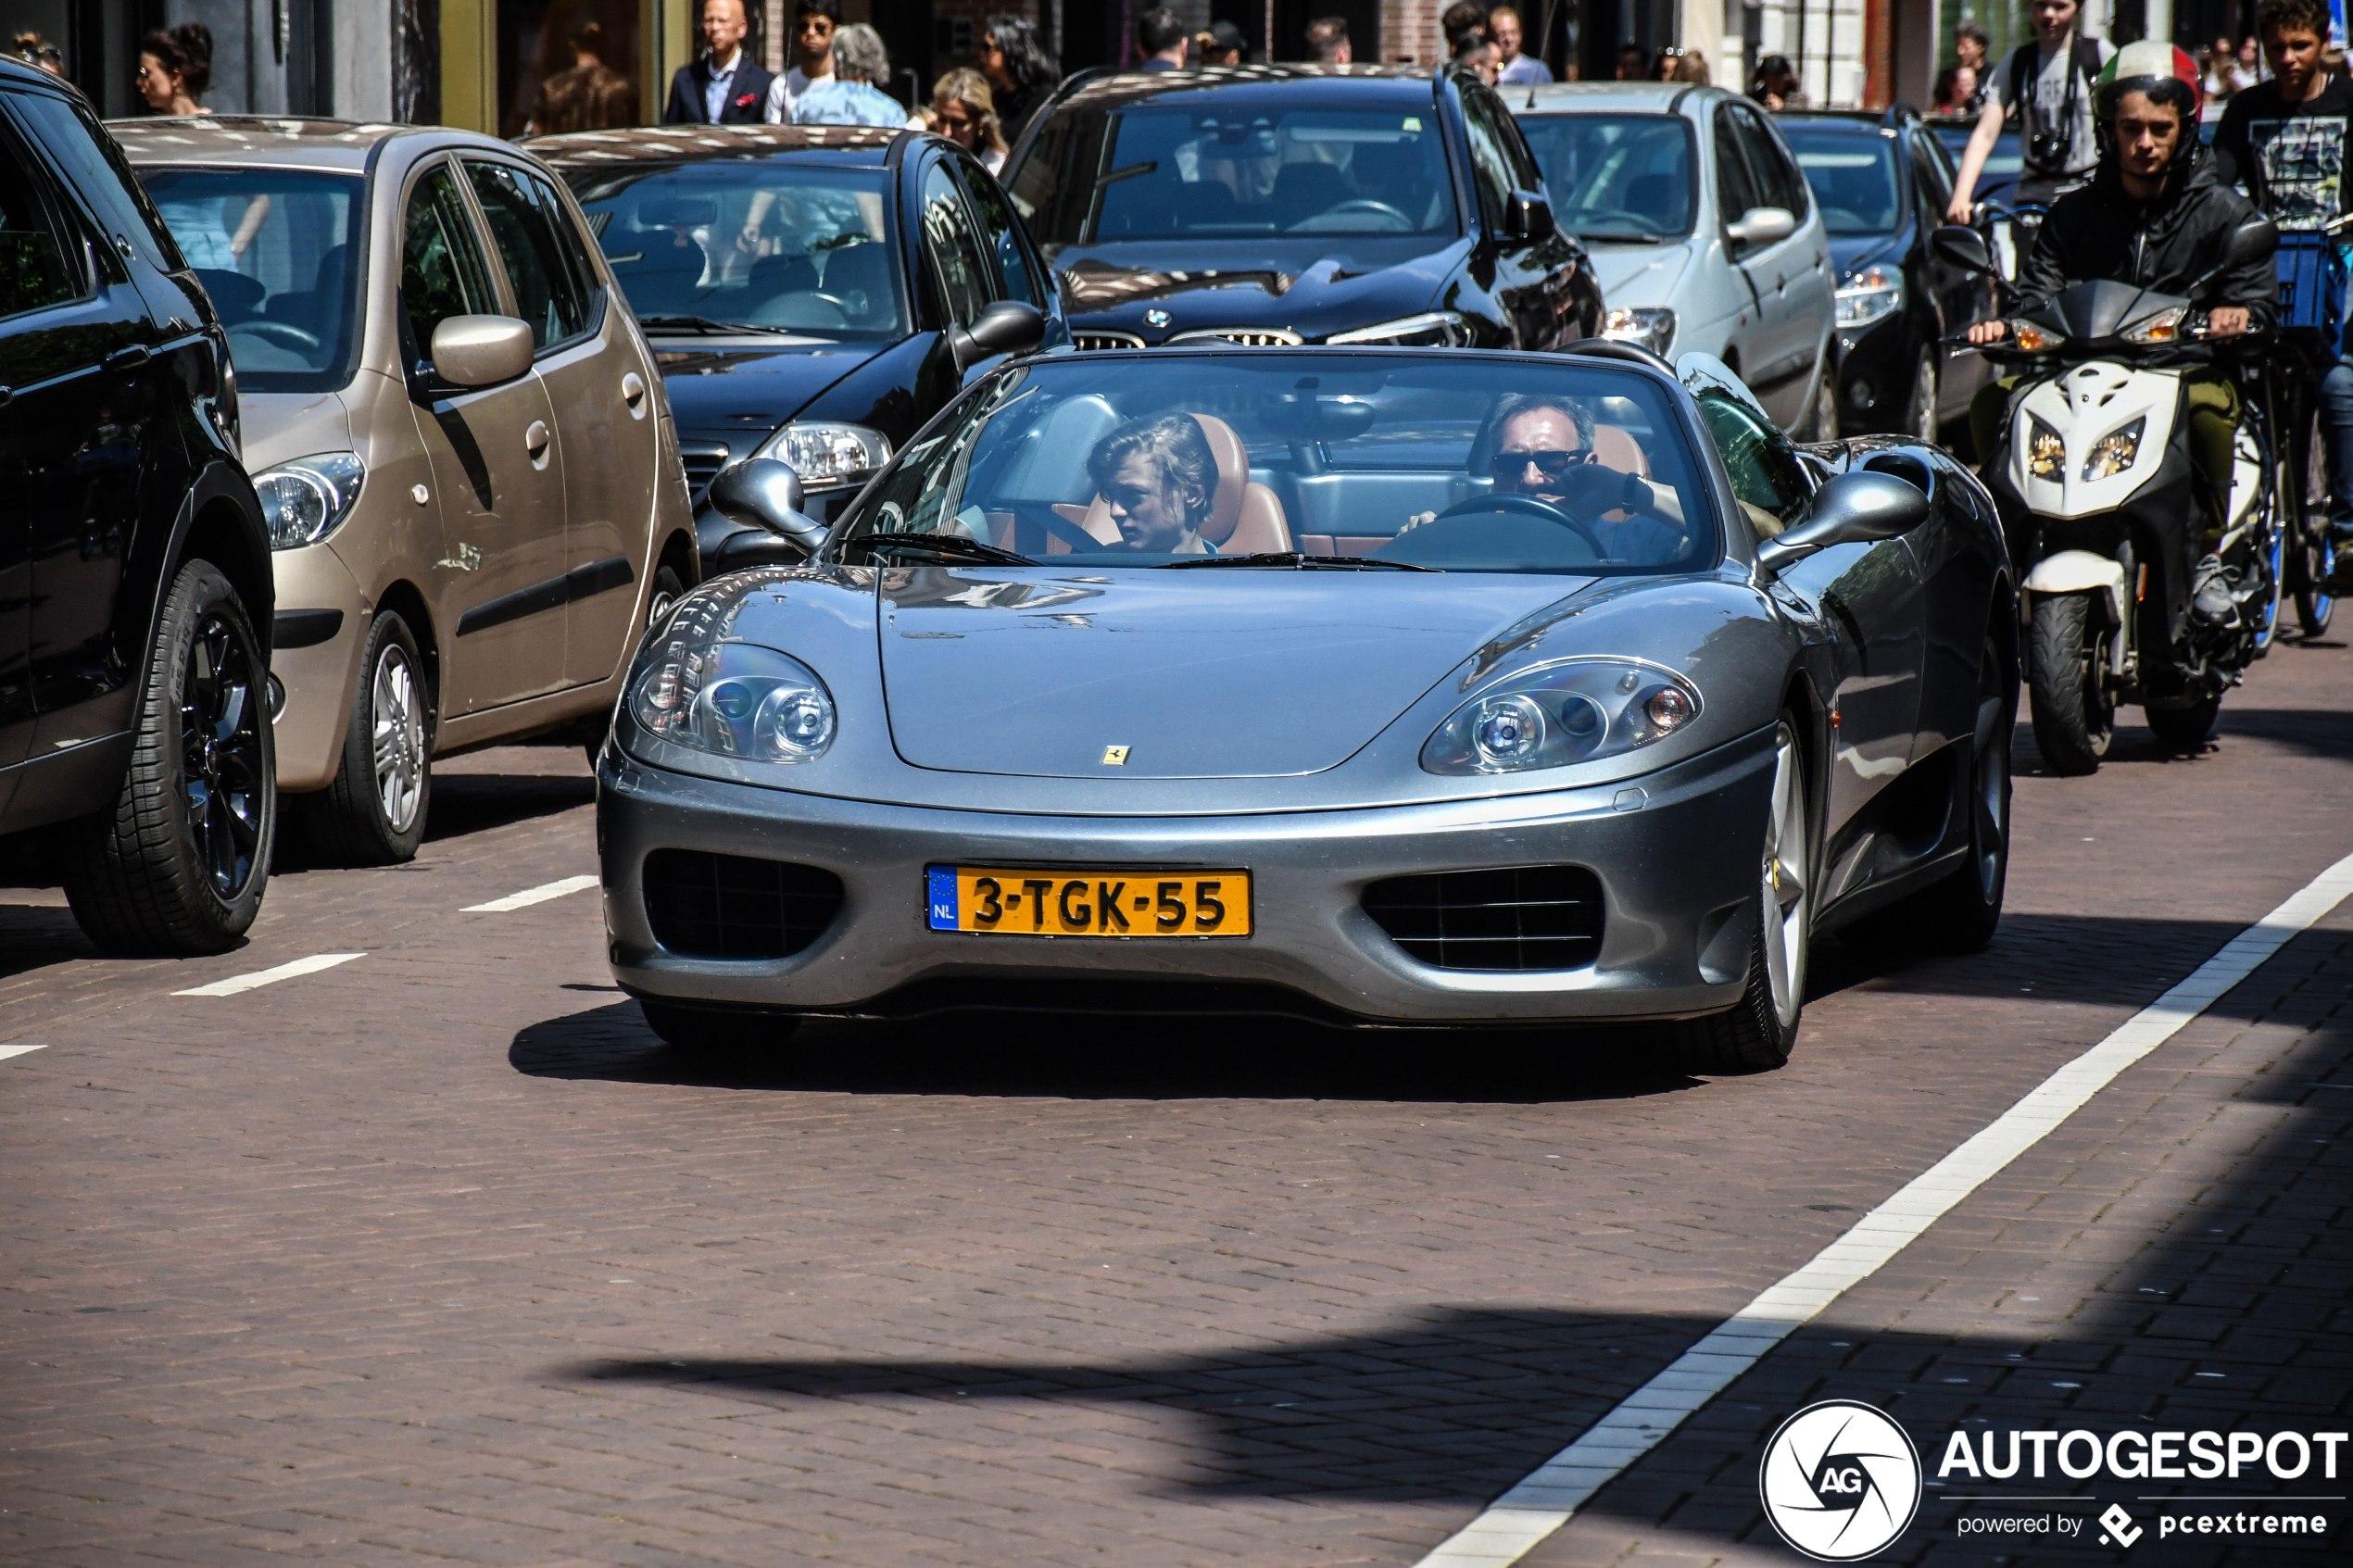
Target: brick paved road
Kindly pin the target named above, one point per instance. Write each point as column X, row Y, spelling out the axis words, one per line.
column 435, row 1256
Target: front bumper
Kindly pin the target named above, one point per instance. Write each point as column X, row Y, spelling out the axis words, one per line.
column 320, row 678
column 1677, row 853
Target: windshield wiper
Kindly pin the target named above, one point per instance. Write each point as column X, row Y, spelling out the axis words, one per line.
column 704, row 324
column 1293, row 559
column 1623, row 239
column 954, row 546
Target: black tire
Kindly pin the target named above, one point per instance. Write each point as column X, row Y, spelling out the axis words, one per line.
column 2185, row 729
column 373, row 814
column 2309, row 553
column 2074, row 715
column 1961, row 912
column 711, row 1033
column 1756, row 1034
column 179, row 863
column 667, row 591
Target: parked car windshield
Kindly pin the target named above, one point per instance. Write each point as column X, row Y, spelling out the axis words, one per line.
column 774, row 244
column 1102, row 175
column 1852, row 177
column 1186, row 460
column 274, row 247
column 1616, row 176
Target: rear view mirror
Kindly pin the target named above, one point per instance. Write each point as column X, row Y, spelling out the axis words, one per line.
column 1850, row 509
column 2252, row 242
column 1763, row 226
column 762, row 492
column 1006, row 327
column 480, row 350
column 1528, row 217
column 1962, row 247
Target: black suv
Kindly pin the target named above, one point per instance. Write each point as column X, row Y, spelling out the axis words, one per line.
column 135, row 598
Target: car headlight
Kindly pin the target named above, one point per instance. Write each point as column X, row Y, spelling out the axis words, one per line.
column 304, row 501
column 2046, row 453
column 2114, row 452
column 1569, row 710
column 1872, row 294
column 827, row 454
column 2035, row 339
column 1654, row 329
column 1432, row 329
column 2163, row 326
column 734, row 699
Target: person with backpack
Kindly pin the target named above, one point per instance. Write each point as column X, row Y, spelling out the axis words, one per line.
column 2046, row 88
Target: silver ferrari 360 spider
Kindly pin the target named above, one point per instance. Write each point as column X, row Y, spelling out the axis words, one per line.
column 1384, row 687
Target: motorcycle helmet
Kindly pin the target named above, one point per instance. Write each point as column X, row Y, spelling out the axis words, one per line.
column 2163, row 71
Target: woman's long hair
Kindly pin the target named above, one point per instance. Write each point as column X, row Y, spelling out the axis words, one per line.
column 968, row 87
column 185, row 51
column 1027, row 60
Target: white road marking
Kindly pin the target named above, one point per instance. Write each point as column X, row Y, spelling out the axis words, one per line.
column 1516, row 1523
column 531, row 896
column 261, row 977
column 18, row 1048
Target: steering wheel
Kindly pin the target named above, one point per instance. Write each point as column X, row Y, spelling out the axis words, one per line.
column 1532, row 507
column 1366, row 204
column 281, row 333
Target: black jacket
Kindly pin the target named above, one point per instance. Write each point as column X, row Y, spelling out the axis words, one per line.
column 747, row 95
column 2165, row 245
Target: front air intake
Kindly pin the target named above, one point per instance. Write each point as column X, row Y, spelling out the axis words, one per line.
column 706, row 906
column 1527, row 917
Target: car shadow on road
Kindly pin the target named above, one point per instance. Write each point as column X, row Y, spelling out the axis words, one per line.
column 2096, row 960
column 1059, row 1055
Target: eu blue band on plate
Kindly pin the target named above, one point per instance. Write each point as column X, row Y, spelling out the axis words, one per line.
column 942, row 900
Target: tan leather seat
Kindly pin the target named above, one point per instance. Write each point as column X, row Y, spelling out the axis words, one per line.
column 1244, row 516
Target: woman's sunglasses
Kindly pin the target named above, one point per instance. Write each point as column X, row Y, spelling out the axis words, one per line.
column 1552, row 464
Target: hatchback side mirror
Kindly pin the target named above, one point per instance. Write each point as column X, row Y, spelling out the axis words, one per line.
column 1528, row 217
column 1850, row 509
column 765, row 494
column 1763, row 226
column 480, row 350
column 1962, row 247
column 1006, row 327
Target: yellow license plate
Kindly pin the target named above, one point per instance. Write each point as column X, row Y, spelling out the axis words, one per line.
column 1087, row 903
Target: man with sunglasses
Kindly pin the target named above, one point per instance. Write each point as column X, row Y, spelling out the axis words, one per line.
column 1542, row 447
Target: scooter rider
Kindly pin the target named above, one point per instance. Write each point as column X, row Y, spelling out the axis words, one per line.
column 2155, row 216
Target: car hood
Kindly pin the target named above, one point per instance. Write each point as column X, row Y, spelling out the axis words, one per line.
column 1851, row 253
column 714, row 391
column 1633, row 276
column 1254, row 674
column 1312, row 285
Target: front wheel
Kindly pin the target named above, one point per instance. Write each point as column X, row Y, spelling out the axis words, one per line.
column 1755, row 1034
column 2186, row 729
column 2308, row 552
column 1921, row 418
column 177, row 864
column 373, row 813
column 2074, row 715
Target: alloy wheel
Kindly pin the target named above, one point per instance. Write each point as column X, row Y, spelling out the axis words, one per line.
column 399, row 733
column 1924, row 420
column 220, row 746
column 1788, row 893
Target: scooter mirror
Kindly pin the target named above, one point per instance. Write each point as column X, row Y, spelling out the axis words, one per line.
column 1850, row 509
column 2252, row 242
column 1962, row 247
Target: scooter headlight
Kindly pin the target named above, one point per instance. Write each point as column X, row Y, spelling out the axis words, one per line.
column 2046, row 453
column 2114, row 452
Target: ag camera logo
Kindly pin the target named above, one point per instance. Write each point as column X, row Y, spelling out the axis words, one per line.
column 1839, row 1480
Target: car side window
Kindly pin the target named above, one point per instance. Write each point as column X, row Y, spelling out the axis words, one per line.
column 1490, row 166
column 1000, row 231
column 1735, row 186
column 1929, row 178
column 38, row 265
column 525, row 224
column 95, row 167
column 962, row 271
column 1778, row 176
column 1767, row 480
column 443, row 273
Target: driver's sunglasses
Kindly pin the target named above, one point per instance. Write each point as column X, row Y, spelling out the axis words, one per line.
column 1552, row 464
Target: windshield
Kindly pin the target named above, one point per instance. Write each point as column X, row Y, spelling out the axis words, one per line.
column 1854, row 177
column 1098, row 175
column 774, row 245
column 273, row 248
column 1366, row 460
column 2003, row 163
column 1616, row 176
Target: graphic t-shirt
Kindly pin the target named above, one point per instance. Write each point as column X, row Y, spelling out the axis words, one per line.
column 2047, row 83
column 2291, row 155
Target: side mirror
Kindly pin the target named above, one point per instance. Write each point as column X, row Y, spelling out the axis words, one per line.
column 480, row 350
column 1528, row 217
column 1962, row 247
column 762, row 492
column 1850, row 509
column 2252, row 242
column 1006, row 327
column 1763, row 226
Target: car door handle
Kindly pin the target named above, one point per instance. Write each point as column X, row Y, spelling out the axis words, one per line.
column 129, row 359
column 534, row 439
column 633, row 392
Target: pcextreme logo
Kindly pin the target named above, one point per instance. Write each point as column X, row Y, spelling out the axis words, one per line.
column 1840, row 1480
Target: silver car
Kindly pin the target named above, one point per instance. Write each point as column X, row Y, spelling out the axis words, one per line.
column 1382, row 687
column 1703, row 232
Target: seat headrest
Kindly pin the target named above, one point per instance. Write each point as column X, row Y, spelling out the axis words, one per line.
column 1233, row 478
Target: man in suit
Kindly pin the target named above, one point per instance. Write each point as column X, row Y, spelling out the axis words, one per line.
column 724, row 87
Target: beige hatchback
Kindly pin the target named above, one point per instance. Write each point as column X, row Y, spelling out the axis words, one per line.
column 458, row 435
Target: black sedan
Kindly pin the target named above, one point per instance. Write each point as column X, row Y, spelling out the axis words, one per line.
column 1266, row 205
column 1883, row 182
column 812, row 294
